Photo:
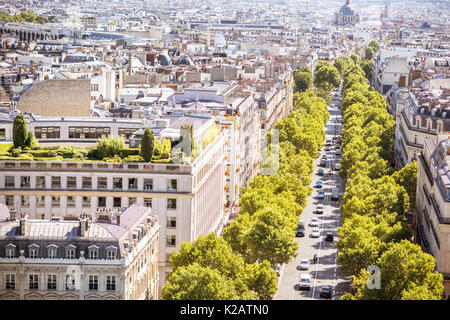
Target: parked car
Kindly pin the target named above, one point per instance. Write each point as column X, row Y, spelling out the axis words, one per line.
column 277, row 269
column 323, row 163
column 325, row 292
column 315, row 233
column 338, row 151
column 300, row 232
column 329, row 236
column 314, row 222
column 325, row 157
column 326, row 148
column 304, row 264
column 319, row 184
column 320, row 172
column 321, row 194
column 319, row 208
column 305, row 282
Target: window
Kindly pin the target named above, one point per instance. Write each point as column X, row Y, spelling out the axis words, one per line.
column 52, row 250
column 148, row 184
column 47, row 132
column 148, row 202
column 126, row 133
column 132, row 183
column 102, row 183
column 117, row 202
column 9, row 182
column 56, row 182
column 93, row 252
column 94, row 86
column 93, row 283
column 55, row 201
column 10, row 251
column 40, row 201
column 33, row 250
column 70, row 282
column 51, row 282
column 171, row 240
column 171, row 203
column 102, row 202
column 110, row 283
column 2, row 134
column 172, row 184
column 9, row 200
column 70, row 201
column 171, row 222
column 88, row 132
column 24, row 201
column 87, row 201
column 72, row 182
column 40, row 182
column 10, row 281
column 25, row 182
column 132, row 201
column 117, row 183
column 111, row 253
column 87, row 183
column 70, row 252
column 33, row 282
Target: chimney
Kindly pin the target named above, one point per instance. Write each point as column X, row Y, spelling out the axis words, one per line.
column 23, row 224
column 12, row 214
column 82, row 225
column 118, row 219
column 130, row 59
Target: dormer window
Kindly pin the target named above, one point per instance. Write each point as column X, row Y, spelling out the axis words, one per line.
column 10, row 250
column 111, row 253
column 93, row 252
column 70, row 251
column 52, row 251
column 33, row 250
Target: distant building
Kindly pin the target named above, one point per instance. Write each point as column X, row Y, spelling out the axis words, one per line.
column 346, row 16
column 112, row 258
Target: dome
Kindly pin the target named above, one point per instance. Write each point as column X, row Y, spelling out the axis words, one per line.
column 347, row 10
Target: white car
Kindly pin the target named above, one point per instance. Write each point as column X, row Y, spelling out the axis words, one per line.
column 315, row 233
column 319, row 208
column 314, row 222
column 305, row 281
column 304, row 264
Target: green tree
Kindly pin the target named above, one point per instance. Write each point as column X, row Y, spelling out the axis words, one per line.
column 369, row 53
column 406, row 273
column 271, row 237
column 147, row 145
column 356, row 58
column 303, row 81
column 194, row 282
column 407, row 178
column 327, row 77
column 109, row 146
column 20, row 131
column 366, row 65
column 374, row 45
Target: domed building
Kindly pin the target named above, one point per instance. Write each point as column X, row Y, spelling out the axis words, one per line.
column 346, row 16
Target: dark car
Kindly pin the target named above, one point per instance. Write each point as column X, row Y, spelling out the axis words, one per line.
column 329, row 236
column 300, row 232
column 320, row 172
column 319, row 183
column 325, row 292
column 323, row 163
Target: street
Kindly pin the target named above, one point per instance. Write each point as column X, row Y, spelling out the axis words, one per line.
column 325, row 271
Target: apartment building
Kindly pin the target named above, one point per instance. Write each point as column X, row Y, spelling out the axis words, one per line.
column 187, row 198
column 421, row 113
column 433, row 203
column 111, row 257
